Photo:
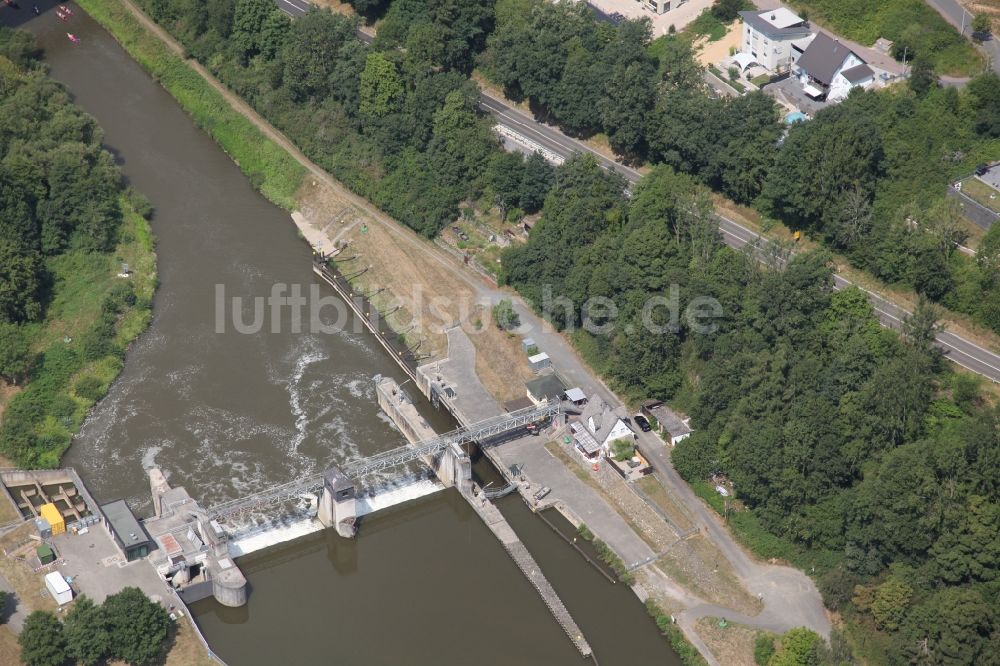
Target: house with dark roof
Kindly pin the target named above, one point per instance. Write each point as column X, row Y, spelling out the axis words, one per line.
column 829, row 70
column 774, row 39
column 544, row 389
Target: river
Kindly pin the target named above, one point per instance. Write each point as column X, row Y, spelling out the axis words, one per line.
column 225, row 414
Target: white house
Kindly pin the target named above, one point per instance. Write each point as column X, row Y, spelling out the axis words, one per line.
column 829, row 70
column 773, row 38
column 604, row 424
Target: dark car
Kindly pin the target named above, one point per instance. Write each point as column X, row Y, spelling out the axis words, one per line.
column 641, row 421
column 982, row 169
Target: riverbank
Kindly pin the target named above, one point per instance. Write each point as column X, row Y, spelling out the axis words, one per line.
column 271, row 170
column 78, row 356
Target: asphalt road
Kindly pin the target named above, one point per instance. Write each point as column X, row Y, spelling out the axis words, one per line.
column 973, row 210
column 956, row 348
column 294, row 7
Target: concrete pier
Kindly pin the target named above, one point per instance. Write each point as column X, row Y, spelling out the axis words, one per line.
column 526, row 563
column 338, row 505
column 454, row 468
column 192, row 553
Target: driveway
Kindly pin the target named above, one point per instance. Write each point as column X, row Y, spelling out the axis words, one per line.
column 788, row 91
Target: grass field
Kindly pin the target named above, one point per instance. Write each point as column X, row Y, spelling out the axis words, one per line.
column 979, row 191
column 732, row 645
column 912, row 22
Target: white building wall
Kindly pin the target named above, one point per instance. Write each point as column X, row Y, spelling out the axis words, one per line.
column 840, row 87
column 772, row 54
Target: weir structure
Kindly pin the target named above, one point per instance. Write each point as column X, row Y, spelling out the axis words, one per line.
column 195, row 545
column 450, row 382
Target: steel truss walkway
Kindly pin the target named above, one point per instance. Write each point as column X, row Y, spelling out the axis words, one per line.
column 478, row 432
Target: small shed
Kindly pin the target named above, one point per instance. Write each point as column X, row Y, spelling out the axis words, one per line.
column 51, row 513
column 43, row 527
column 58, row 588
column 45, row 554
column 544, row 389
column 528, row 343
column 669, row 422
column 576, row 396
column 539, row 362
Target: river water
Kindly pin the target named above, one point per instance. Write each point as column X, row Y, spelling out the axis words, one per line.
column 225, row 414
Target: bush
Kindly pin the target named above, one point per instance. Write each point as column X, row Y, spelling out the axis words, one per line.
column 622, row 449
column 504, row 316
column 89, row 388
column 727, row 10
column 120, row 298
column 16, row 358
column 140, row 203
column 763, row 649
column 687, row 653
column 607, row 555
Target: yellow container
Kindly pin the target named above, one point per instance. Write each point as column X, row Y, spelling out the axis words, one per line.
column 52, row 514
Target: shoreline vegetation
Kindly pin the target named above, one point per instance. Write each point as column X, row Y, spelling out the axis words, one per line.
column 70, row 227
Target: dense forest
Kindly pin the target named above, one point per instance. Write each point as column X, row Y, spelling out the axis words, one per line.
column 868, row 176
column 63, row 206
column 397, row 122
column 856, row 450
column 397, row 125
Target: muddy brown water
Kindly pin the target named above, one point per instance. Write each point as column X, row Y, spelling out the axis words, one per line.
column 225, row 414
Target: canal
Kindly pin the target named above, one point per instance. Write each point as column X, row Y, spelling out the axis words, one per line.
column 225, row 414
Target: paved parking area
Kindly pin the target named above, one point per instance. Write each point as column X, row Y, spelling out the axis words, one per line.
column 788, row 91
column 98, row 568
column 992, row 177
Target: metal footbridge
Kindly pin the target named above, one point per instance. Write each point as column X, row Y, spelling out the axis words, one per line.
column 482, row 431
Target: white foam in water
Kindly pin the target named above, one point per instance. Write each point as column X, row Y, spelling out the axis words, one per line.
column 410, row 491
column 273, row 534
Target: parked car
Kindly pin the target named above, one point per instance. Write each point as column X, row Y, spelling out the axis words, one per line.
column 982, row 169
column 641, row 421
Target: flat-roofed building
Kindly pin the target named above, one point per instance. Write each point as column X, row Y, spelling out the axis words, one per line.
column 126, row 531
column 774, row 38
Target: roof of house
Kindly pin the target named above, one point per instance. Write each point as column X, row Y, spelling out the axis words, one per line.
column 823, row 58
column 600, row 419
column 518, row 403
column 585, row 439
column 670, row 421
column 858, row 73
column 123, row 522
column 776, row 23
column 545, row 387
